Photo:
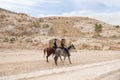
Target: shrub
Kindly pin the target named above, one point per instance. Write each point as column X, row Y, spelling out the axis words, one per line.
column 65, row 31
column 41, row 20
column 12, row 40
column 2, row 16
column 67, row 22
column 58, row 17
column 114, row 36
column 51, row 31
column 117, row 26
column 36, row 24
column 5, row 39
column 45, row 26
column 97, row 29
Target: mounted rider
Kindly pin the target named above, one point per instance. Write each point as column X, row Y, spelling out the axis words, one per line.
column 63, row 46
column 55, row 43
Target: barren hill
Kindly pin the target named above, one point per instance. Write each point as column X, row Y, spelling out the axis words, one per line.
column 21, row 28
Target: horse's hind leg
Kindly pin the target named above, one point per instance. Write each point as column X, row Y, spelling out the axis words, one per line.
column 64, row 58
column 47, row 59
column 69, row 59
column 48, row 54
column 56, row 58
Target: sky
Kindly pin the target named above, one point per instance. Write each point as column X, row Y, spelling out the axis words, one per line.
column 105, row 10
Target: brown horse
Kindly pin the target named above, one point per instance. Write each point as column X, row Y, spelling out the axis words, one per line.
column 49, row 51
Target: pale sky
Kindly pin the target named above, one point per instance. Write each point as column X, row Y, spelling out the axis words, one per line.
column 104, row 10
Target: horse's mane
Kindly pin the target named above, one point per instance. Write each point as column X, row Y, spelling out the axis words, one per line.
column 69, row 47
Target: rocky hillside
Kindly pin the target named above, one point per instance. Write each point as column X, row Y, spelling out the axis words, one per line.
column 21, row 28
column 79, row 26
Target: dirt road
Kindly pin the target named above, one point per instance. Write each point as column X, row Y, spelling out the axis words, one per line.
column 27, row 62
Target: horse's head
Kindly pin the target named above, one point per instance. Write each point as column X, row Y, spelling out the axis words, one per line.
column 72, row 46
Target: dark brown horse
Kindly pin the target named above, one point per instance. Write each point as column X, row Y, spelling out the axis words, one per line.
column 49, row 51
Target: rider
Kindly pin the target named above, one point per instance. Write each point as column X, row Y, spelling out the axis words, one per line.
column 63, row 46
column 55, row 43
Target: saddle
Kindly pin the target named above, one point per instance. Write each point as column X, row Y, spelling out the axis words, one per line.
column 66, row 51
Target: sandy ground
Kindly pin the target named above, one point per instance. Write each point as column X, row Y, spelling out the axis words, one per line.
column 31, row 65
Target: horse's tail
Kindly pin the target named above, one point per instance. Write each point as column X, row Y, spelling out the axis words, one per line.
column 44, row 52
column 53, row 53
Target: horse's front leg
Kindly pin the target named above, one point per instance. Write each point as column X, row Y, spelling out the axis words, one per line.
column 69, row 59
column 61, row 59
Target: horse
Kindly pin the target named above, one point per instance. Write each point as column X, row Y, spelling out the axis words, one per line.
column 49, row 51
column 61, row 52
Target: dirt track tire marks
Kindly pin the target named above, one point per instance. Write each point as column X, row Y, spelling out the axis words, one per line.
column 86, row 72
